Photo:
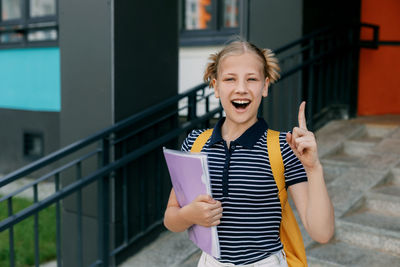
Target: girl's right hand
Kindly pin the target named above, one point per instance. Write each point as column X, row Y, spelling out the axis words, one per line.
column 204, row 211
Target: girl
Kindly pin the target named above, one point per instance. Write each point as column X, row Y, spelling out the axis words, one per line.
column 245, row 206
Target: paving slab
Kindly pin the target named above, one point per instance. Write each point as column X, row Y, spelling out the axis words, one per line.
column 171, row 249
column 45, row 189
column 192, row 260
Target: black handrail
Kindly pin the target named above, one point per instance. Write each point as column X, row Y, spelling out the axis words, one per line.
column 63, row 152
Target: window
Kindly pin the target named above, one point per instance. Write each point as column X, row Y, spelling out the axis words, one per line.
column 209, row 21
column 33, row 145
column 26, row 23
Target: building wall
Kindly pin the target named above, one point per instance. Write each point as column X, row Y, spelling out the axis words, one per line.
column 117, row 59
column 16, row 123
column 272, row 24
column 192, row 63
column 30, row 79
column 29, row 102
column 379, row 86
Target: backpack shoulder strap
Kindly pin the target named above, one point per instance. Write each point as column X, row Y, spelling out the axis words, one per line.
column 201, row 140
column 290, row 234
column 275, row 159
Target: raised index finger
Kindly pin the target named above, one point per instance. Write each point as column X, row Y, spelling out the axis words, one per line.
column 302, row 116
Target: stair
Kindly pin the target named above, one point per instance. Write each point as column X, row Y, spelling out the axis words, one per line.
column 366, row 197
column 361, row 160
column 339, row 253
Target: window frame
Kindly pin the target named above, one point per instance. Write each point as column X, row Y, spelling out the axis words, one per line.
column 32, row 135
column 218, row 34
column 25, row 24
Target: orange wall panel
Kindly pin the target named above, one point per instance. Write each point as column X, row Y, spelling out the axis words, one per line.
column 379, row 70
column 379, row 81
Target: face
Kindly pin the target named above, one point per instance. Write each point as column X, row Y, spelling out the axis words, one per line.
column 240, row 86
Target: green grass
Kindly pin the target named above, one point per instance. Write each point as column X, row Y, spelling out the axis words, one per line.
column 24, row 248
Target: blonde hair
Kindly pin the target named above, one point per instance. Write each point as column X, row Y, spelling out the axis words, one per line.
column 270, row 62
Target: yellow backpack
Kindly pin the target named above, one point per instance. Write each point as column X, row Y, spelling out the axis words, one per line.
column 289, row 230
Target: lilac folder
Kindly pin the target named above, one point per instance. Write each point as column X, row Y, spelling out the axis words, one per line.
column 190, row 178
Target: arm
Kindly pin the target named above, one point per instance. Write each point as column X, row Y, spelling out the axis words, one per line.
column 204, row 211
column 311, row 199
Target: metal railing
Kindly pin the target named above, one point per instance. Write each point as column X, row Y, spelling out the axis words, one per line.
column 126, row 158
column 321, row 68
column 110, row 149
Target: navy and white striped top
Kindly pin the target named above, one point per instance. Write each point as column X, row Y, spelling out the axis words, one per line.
column 241, row 179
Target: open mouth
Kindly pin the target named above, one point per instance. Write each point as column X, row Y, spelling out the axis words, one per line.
column 240, row 104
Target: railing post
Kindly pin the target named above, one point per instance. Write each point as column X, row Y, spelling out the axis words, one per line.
column 207, row 123
column 58, row 221
column 192, row 105
column 79, row 216
column 36, row 227
column 11, row 233
column 310, row 88
column 103, row 207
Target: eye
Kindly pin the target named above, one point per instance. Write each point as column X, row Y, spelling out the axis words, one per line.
column 252, row 79
column 229, row 79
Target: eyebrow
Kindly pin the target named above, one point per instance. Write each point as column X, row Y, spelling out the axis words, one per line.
column 230, row 73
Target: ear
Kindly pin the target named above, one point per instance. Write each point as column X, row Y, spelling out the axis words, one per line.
column 214, row 84
column 265, row 88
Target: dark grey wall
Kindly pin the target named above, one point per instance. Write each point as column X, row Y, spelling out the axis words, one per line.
column 146, row 54
column 146, row 72
column 318, row 13
column 86, row 106
column 117, row 58
column 14, row 124
column 86, row 68
column 271, row 24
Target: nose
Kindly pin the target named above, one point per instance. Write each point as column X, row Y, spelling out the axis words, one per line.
column 241, row 87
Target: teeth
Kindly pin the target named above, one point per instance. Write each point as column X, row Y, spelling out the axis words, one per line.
column 241, row 102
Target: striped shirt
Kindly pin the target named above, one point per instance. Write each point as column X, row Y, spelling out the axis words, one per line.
column 242, row 180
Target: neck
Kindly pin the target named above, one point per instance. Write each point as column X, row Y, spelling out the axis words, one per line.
column 231, row 131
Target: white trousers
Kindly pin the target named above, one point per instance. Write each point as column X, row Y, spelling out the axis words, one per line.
column 276, row 260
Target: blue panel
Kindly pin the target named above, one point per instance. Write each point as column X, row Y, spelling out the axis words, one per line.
column 30, row 79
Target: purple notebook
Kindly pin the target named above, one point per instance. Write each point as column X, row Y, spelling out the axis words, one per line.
column 190, row 178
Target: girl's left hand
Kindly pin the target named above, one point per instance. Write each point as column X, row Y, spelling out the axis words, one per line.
column 303, row 142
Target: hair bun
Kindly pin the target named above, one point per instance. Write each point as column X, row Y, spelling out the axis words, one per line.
column 272, row 65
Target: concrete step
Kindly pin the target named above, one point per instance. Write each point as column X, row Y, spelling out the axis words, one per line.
column 363, row 142
column 358, row 148
column 370, row 230
column 384, row 198
column 333, row 171
column 340, row 157
column 384, row 201
column 374, row 132
column 350, row 152
column 342, row 254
